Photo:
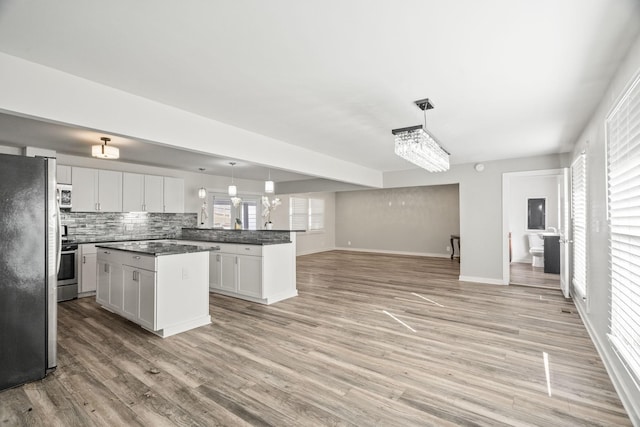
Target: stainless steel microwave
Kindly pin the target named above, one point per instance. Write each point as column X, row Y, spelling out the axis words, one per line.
column 64, row 196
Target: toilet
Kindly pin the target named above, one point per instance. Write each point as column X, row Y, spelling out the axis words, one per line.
column 536, row 249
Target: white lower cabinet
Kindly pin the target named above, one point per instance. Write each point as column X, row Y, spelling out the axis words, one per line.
column 263, row 274
column 87, row 277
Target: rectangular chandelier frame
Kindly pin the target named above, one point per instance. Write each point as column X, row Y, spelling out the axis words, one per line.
column 418, row 146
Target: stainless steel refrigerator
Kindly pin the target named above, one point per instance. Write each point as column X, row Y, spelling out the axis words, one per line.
column 29, row 251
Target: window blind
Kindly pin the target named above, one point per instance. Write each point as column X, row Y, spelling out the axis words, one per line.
column 579, row 224
column 298, row 213
column 623, row 185
column 316, row 214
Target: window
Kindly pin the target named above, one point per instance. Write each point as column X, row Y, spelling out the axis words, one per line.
column 316, row 214
column 225, row 214
column 306, row 213
column 579, row 223
column 623, row 182
column 298, row 213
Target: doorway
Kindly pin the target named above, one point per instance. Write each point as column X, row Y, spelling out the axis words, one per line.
column 524, row 241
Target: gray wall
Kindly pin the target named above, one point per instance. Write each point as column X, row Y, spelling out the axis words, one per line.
column 417, row 220
column 595, row 310
column 480, row 208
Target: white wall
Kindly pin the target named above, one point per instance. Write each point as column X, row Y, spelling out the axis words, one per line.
column 595, row 310
column 522, row 188
column 310, row 241
column 413, row 221
column 481, row 234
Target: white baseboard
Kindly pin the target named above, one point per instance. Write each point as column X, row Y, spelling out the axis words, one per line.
column 314, row 251
column 484, row 280
column 612, row 365
column 382, row 251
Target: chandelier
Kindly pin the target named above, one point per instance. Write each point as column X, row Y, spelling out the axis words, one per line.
column 417, row 145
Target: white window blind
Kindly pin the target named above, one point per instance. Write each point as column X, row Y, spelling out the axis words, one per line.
column 316, row 214
column 623, row 180
column 579, row 224
column 298, row 213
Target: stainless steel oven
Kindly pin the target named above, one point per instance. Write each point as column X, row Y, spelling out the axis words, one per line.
column 68, row 273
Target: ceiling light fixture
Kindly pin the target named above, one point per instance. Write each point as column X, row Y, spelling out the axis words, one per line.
column 269, row 186
column 417, row 145
column 202, row 192
column 105, row 151
column 233, row 190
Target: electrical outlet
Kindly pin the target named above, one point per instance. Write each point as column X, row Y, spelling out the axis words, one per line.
column 448, row 248
column 185, row 274
column 349, row 243
column 128, row 227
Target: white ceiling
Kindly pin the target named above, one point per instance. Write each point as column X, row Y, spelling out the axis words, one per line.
column 509, row 78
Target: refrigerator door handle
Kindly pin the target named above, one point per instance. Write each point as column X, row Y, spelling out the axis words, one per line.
column 58, row 232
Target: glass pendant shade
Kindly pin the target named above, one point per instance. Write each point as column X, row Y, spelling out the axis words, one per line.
column 269, row 187
column 105, row 151
column 202, row 193
column 233, row 190
column 418, row 146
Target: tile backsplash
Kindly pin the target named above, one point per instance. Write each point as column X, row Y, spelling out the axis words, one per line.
column 103, row 226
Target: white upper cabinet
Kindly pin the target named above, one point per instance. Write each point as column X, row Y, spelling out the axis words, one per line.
column 63, row 174
column 173, row 195
column 142, row 193
column 153, row 193
column 96, row 190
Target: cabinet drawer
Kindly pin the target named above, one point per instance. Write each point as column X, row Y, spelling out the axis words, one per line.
column 255, row 250
column 88, row 249
column 109, row 256
column 143, row 262
column 227, row 248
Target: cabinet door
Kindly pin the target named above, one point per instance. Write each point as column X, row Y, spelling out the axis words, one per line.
column 173, row 195
column 63, row 174
column 147, row 298
column 153, row 193
column 131, row 292
column 116, row 290
column 109, row 191
column 227, row 272
column 84, row 196
column 214, row 270
column 132, row 192
column 250, row 276
column 88, row 272
column 104, row 282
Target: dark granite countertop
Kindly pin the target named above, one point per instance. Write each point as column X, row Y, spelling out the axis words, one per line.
column 156, row 248
column 240, row 241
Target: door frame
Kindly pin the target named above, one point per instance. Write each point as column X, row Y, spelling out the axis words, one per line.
column 506, row 186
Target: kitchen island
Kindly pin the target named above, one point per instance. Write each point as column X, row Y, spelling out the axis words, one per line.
column 162, row 286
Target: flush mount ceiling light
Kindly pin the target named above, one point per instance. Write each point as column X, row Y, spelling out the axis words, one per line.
column 105, row 151
column 233, row 190
column 269, row 186
column 202, row 192
column 417, row 145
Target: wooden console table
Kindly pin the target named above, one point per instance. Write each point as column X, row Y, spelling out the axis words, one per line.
column 453, row 249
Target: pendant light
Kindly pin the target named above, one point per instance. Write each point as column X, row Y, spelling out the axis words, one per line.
column 105, row 151
column 269, row 186
column 202, row 192
column 233, row 190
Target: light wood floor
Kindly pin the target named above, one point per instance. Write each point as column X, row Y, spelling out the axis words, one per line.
column 334, row 356
column 525, row 274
